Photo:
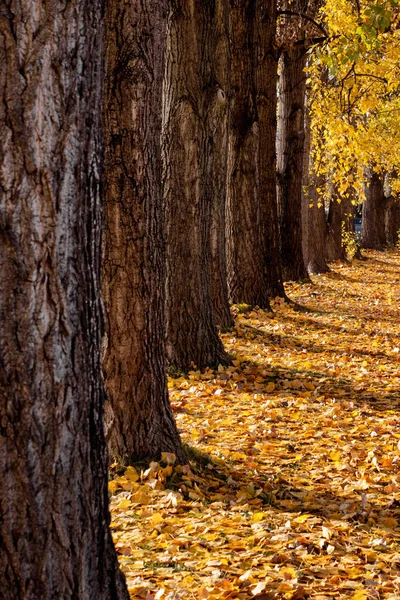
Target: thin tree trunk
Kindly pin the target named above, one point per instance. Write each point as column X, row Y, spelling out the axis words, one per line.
column 55, row 540
column 334, row 247
column 253, row 260
column 373, row 213
column 216, row 154
column 290, row 151
column 192, row 336
column 308, row 181
column 317, row 261
column 140, row 424
column 392, row 222
column 313, row 210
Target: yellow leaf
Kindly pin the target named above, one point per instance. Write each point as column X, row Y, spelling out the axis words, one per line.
column 288, row 573
column 360, row 595
column 156, row 519
column 112, row 486
column 131, row 474
column 334, row 455
column 124, row 504
column 258, row 516
column 302, row 518
column 140, row 498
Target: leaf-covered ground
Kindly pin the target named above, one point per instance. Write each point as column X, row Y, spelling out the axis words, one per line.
column 293, row 490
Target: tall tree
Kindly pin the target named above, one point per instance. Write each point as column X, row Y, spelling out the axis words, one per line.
column 334, row 246
column 254, row 274
column 392, row 221
column 189, row 88
column 217, row 154
column 373, row 212
column 291, row 138
column 140, row 423
column 55, row 540
column 313, row 206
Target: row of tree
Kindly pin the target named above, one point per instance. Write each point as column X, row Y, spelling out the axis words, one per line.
column 204, row 204
column 194, row 94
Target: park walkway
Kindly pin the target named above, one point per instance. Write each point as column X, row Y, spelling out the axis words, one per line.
column 293, row 491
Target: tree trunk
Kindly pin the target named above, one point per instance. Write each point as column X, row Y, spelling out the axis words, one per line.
column 290, row 151
column 55, row 540
column 334, row 247
column 313, row 210
column 139, row 419
column 317, row 261
column 216, row 154
column 189, row 91
column 392, row 222
column 252, row 243
column 373, row 213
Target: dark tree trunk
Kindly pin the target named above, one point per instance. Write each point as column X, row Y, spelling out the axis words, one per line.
column 373, row 213
column 189, row 92
column 334, row 247
column 139, row 420
column 290, row 151
column 317, row 261
column 216, row 154
column 313, row 211
column 55, row 540
column 317, row 253
column 254, row 274
column 392, row 222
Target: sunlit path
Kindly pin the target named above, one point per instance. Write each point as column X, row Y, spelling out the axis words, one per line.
column 293, row 489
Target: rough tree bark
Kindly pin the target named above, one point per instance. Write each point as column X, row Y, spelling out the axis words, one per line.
column 313, row 210
column 55, row 540
column 392, row 221
column 192, row 336
column 316, row 233
column 290, row 152
column 254, row 274
column 334, row 247
column 218, row 69
column 139, row 419
column 373, row 212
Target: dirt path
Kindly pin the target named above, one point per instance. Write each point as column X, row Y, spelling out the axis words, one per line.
column 294, row 487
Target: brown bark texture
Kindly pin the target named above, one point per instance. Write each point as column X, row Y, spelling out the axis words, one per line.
column 254, row 275
column 217, row 154
column 189, row 91
column 55, row 540
column 316, row 232
column 290, row 152
column 392, row 221
column 313, row 209
column 334, row 246
column 373, row 212
column 139, row 420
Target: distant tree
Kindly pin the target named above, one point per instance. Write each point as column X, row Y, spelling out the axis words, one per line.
column 334, row 245
column 254, row 274
column 140, row 423
column 392, row 221
column 190, row 88
column 55, row 540
column 373, row 212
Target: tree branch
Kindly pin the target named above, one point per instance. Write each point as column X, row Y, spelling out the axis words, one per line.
column 292, row 13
